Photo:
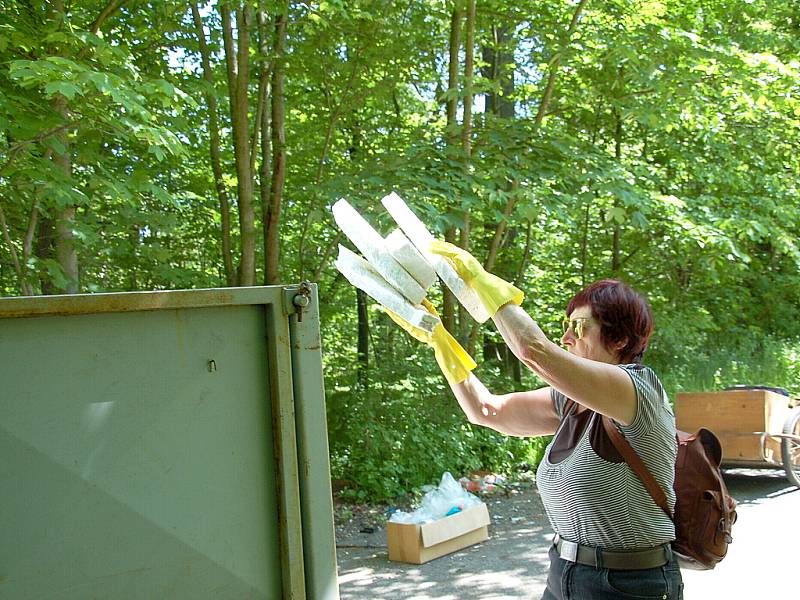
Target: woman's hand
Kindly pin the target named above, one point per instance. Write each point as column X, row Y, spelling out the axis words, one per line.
column 492, row 291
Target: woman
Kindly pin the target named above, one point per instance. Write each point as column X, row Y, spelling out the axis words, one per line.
column 612, row 540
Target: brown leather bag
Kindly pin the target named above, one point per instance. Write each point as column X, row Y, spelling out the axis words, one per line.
column 704, row 509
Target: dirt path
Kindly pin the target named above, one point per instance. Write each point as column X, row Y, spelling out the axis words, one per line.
column 513, row 563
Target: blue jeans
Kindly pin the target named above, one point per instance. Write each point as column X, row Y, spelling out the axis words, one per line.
column 571, row 581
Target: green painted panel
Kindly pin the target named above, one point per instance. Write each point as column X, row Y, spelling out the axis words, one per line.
column 131, row 470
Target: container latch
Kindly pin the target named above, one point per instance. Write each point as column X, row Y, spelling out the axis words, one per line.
column 300, row 298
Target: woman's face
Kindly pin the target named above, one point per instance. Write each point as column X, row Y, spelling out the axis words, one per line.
column 589, row 345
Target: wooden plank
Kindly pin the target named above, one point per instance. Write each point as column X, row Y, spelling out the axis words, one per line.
column 748, row 447
column 739, row 411
column 735, row 411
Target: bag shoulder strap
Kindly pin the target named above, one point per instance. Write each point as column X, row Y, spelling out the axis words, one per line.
column 635, row 462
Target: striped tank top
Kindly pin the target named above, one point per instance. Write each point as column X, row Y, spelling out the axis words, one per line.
column 595, row 502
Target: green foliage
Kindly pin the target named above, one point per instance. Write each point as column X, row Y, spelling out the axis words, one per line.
column 666, row 157
column 750, row 359
column 84, row 127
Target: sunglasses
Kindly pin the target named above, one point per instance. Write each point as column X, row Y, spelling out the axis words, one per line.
column 578, row 325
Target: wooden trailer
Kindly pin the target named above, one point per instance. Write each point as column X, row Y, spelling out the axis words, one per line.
column 757, row 427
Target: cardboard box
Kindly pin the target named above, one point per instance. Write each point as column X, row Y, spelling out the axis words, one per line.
column 420, row 543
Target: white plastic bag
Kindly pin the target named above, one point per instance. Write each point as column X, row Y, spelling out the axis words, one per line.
column 439, row 502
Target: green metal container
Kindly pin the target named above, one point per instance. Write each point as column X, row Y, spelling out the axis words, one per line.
column 164, row 445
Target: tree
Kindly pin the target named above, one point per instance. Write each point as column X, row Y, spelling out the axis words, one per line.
column 63, row 85
column 142, row 145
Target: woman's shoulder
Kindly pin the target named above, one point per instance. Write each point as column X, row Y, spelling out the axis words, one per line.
column 642, row 373
column 648, row 385
column 635, row 367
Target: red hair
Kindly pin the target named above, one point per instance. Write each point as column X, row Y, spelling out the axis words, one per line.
column 624, row 316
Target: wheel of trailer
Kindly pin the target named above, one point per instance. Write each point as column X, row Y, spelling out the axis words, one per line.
column 790, row 446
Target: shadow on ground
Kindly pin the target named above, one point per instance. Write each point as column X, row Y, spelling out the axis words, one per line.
column 757, row 486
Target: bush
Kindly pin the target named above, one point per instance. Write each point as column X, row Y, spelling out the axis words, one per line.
column 404, row 433
column 714, row 364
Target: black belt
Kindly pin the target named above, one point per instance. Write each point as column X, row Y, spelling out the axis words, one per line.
column 611, row 559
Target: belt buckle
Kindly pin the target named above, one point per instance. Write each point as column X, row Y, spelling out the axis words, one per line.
column 568, row 551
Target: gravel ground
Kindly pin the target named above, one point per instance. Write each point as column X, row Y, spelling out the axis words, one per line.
column 513, row 563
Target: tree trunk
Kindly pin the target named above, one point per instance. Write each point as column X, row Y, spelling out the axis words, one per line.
column 238, row 71
column 467, row 325
column 466, row 127
column 18, row 267
column 543, row 106
column 526, row 254
column 497, row 59
column 57, row 238
column 265, row 133
column 363, row 341
column 503, row 106
column 452, row 78
column 66, row 253
column 64, row 218
column 278, row 147
column 615, row 236
column 27, row 245
column 45, row 249
column 216, row 164
column 449, row 301
column 516, row 369
column 585, row 243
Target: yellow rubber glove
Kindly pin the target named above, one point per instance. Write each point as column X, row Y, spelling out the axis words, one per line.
column 493, row 291
column 453, row 360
